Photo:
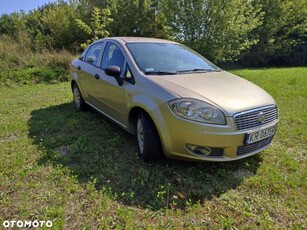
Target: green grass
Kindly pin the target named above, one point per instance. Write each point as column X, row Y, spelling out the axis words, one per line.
column 82, row 172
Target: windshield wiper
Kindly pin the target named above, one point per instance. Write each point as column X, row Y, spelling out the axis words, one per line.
column 161, row 72
column 198, row 70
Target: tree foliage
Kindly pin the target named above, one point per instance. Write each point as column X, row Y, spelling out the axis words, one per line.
column 97, row 27
column 11, row 24
column 217, row 28
column 58, row 23
column 133, row 18
column 283, row 27
column 250, row 31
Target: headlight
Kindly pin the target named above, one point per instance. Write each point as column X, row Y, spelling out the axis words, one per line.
column 196, row 110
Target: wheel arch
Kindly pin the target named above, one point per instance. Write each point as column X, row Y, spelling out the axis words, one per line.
column 72, row 83
column 133, row 116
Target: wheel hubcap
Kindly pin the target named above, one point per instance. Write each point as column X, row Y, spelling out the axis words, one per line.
column 77, row 97
column 140, row 135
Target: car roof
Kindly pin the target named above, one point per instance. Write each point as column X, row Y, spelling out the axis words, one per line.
column 136, row 40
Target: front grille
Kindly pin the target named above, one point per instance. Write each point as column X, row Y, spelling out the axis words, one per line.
column 254, row 146
column 250, row 119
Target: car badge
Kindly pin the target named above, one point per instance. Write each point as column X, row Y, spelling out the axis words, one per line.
column 261, row 117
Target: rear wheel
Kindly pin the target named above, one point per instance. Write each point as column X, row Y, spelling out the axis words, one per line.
column 78, row 99
column 148, row 139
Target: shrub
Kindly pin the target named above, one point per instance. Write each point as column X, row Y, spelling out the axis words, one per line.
column 19, row 65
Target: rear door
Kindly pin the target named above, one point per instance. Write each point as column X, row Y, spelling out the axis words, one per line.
column 90, row 70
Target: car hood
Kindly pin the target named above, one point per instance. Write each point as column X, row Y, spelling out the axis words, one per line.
column 229, row 92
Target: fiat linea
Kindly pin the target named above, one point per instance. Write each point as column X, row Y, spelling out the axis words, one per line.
column 174, row 100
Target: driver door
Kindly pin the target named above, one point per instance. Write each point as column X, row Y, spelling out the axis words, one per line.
column 109, row 97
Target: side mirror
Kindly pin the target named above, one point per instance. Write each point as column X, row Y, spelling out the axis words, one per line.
column 114, row 71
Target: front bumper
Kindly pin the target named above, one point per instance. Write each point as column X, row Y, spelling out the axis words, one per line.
column 224, row 141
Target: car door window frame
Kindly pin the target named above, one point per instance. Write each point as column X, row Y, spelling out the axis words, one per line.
column 126, row 67
column 97, row 57
column 82, row 56
column 102, row 64
column 131, row 79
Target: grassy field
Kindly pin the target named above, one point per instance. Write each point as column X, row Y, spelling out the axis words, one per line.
column 82, row 172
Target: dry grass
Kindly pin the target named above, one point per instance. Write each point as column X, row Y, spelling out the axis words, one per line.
column 19, row 65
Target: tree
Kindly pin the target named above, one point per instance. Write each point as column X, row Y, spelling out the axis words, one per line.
column 216, row 28
column 135, row 18
column 97, row 28
column 284, row 26
column 12, row 24
column 255, row 31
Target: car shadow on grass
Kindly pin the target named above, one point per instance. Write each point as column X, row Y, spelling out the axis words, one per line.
column 96, row 150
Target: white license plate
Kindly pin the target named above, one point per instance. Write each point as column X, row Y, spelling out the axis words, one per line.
column 260, row 135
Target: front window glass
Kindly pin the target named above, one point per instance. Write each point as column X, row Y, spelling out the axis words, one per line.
column 167, row 58
column 128, row 76
column 113, row 56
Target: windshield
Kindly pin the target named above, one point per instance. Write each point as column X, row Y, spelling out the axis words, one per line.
column 168, row 58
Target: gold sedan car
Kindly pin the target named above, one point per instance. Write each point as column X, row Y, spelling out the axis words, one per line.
column 174, row 100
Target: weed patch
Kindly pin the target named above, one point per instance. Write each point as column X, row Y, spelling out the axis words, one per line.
column 20, row 66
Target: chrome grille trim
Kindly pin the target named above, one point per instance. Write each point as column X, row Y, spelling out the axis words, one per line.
column 249, row 119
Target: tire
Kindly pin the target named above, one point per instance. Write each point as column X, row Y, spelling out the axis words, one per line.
column 78, row 98
column 148, row 140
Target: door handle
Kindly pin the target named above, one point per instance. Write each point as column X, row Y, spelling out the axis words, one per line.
column 79, row 67
column 97, row 76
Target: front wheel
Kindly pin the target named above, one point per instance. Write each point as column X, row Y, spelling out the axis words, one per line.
column 149, row 144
